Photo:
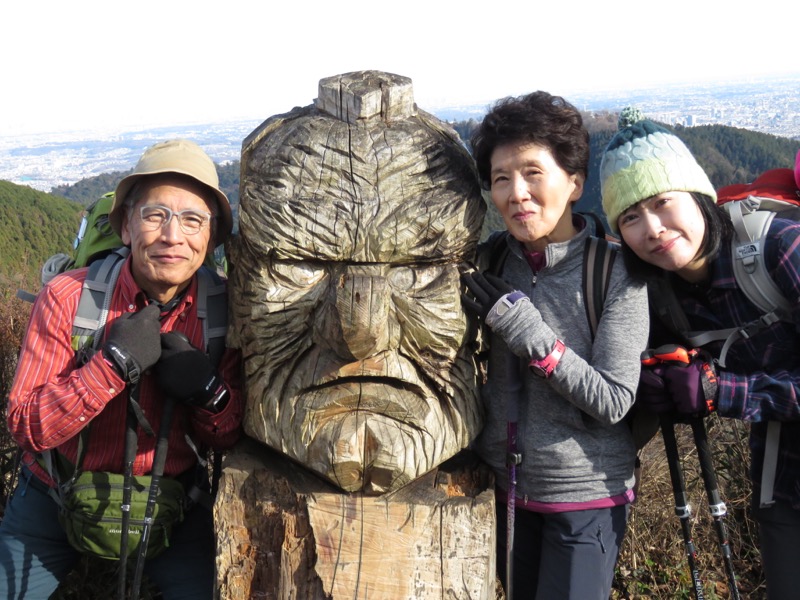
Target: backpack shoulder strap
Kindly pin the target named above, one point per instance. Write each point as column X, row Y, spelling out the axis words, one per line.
column 751, row 219
column 212, row 310
column 665, row 306
column 497, row 244
column 61, row 470
column 95, row 300
column 89, row 319
column 751, row 223
column 598, row 260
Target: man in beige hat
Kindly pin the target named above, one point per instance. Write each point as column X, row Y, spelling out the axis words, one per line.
column 171, row 214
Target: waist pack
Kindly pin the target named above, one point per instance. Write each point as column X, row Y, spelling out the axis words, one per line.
column 91, row 513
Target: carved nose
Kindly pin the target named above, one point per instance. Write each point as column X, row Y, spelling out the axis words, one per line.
column 362, row 303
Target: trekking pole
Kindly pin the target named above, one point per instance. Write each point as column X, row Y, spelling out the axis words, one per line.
column 159, row 460
column 715, row 505
column 682, row 508
column 513, row 458
column 156, row 472
column 127, row 483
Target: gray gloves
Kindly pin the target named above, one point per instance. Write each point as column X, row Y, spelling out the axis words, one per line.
column 510, row 314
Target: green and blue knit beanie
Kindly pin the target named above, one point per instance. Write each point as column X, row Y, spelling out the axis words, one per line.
column 643, row 160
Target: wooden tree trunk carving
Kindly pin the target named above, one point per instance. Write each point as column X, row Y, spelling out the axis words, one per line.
column 286, row 534
column 355, row 214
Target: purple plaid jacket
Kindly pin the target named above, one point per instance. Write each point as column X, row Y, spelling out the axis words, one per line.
column 761, row 380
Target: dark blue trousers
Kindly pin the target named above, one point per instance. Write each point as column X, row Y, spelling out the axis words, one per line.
column 779, row 541
column 569, row 555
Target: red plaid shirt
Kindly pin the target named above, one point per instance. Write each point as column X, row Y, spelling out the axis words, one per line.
column 52, row 399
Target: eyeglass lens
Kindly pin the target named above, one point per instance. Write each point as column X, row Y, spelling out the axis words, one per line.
column 190, row 221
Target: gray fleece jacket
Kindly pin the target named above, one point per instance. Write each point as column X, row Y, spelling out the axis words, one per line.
column 574, row 442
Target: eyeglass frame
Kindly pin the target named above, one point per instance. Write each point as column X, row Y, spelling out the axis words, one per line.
column 172, row 213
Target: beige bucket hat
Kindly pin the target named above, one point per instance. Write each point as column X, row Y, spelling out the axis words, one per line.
column 176, row 156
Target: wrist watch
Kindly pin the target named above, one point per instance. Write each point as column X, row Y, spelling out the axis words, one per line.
column 544, row 367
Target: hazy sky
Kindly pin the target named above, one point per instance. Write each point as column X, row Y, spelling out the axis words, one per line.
column 114, row 64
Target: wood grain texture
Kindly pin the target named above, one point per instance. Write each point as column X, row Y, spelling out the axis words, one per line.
column 283, row 534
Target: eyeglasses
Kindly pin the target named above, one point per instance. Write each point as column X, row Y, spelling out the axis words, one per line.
column 191, row 221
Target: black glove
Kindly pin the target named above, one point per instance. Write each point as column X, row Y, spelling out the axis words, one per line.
column 486, row 290
column 186, row 373
column 133, row 343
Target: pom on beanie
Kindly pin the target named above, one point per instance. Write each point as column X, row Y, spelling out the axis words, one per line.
column 642, row 160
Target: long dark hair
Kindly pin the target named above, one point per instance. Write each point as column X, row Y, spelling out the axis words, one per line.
column 718, row 231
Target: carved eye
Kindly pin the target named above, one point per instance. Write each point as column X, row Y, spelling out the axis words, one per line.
column 416, row 279
column 429, row 275
column 292, row 282
column 402, row 278
column 297, row 274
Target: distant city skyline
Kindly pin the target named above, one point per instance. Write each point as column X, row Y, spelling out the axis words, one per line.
column 43, row 161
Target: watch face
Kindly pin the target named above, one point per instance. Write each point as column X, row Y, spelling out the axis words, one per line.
column 538, row 370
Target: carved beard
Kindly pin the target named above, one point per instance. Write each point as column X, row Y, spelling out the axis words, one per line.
column 362, row 373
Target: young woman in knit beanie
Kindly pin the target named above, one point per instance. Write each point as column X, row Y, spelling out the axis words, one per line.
column 556, row 395
column 677, row 238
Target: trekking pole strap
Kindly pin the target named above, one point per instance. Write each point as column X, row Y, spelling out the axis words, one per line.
column 159, row 461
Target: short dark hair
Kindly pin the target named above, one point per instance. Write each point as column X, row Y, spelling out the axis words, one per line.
column 538, row 118
column 718, row 232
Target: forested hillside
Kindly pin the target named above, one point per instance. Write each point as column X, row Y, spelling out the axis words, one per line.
column 88, row 190
column 33, row 226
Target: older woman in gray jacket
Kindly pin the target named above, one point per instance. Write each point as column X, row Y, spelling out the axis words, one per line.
column 557, row 393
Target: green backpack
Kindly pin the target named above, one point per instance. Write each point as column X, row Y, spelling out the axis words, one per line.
column 95, row 237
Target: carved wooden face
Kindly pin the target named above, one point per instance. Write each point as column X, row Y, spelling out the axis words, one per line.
column 346, row 297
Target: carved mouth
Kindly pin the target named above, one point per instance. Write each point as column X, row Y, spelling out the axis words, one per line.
column 370, row 437
column 399, row 401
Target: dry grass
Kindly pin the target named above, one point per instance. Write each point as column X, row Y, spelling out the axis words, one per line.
column 653, row 563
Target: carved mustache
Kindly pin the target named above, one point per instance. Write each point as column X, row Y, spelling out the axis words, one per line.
column 394, row 399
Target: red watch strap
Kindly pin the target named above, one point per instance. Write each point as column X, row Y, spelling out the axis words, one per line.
column 546, row 366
